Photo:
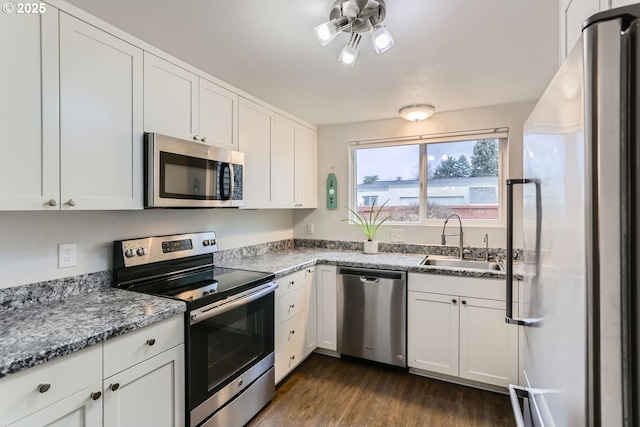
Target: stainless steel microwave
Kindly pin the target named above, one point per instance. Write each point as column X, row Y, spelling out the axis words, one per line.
column 186, row 174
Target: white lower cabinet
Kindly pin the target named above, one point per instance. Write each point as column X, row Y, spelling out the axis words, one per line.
column 291, row 306
column 150, row 393
column 311, row 311
column 456, row 327
column 71, row 391
column 327, row 307
column 82, row 409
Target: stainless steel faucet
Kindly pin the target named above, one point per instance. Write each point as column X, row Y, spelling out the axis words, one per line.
column 486, row 246
column 444, row 240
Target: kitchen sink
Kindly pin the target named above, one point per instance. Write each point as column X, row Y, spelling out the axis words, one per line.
column 461, row 263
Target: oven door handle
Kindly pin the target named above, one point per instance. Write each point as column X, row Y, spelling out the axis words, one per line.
column 221, row 307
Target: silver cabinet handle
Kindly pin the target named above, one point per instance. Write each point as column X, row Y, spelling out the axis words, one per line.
column 71, row 202
column 53, row 202
column 509, row 309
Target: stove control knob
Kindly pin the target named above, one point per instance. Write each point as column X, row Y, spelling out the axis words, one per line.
column 129, row 253
column 141, row 251
column 213, row 241
column 205, row 242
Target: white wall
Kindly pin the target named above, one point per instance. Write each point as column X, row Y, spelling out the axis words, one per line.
column 333, row 152
column 29, row 240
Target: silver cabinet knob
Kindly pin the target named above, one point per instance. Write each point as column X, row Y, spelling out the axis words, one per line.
column 71, row 202
column 53, row 202
column 204, row 139
column 43, row 388
column 197, row 137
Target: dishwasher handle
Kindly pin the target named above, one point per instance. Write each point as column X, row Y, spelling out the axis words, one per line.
column 369, row 279
column 371, row 274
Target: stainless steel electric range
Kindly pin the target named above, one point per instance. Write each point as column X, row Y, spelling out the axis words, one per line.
column 229, row 324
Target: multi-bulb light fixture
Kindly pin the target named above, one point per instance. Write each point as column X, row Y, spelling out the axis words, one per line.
column 356, row 17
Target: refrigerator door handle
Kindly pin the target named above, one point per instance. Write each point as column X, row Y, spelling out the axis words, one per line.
column 515, row 393
column 509, row 309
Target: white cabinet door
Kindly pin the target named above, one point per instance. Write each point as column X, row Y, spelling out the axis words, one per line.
column 283, row 161
column 148, row 394
column 305, row 168
column 29, row 115
column 327, row 307
column 170, row 99
column 100, row 119
column 256, row 135
column 77, row 410
column 311, row 334
column 488, row 345
column 432, row 332
column 573, row 13
column 218, row 116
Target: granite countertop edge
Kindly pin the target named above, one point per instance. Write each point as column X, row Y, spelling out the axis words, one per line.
column 21, row 348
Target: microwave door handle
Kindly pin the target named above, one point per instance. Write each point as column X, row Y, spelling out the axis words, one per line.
column 223, row 196
column 231, row 176
column 509, row 300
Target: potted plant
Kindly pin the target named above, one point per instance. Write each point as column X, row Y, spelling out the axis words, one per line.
column 369, row 225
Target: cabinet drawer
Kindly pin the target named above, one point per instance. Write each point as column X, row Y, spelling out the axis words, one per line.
column 66, row 375
column 289, row 305
column 127, row 350
column 290, row 282
column 289, row 358
column 475, row 287
column 290, row 331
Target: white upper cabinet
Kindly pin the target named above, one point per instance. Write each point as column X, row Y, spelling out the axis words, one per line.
column 283, row 160
column 257, row 125
column 293, row 156
column 170, row 99
column 305, row 166
column 620, row 3
column 218, row 115
column 181, row 104
column 100, row 119
column 29, row 129
column 573, row 13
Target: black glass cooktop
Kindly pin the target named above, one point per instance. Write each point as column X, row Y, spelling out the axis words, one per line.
column 205, row 286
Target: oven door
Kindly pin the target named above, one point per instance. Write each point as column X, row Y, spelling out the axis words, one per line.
column 231, row 344
column 187, row 174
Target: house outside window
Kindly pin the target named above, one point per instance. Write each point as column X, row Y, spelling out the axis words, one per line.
column 460, row 175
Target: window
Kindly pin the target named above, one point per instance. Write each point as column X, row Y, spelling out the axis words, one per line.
column 459, row 176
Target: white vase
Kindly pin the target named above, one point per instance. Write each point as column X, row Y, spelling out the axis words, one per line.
column 370, row 246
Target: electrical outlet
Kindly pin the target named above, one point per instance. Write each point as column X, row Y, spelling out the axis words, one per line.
column 67, row 255
column 310, row 228
column 397, row 236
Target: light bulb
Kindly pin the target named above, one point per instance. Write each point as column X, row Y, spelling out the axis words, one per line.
column 349, row 54
column 329, row 30
column 382, row 40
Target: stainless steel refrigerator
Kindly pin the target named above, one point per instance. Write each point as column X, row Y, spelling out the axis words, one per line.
column 578, row 317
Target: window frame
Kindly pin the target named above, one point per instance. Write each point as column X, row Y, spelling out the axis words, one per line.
column 501, row 134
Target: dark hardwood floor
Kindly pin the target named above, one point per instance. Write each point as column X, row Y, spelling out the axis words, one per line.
column 325, row 391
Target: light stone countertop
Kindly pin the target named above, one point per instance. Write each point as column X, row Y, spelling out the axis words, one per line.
column 288, row 261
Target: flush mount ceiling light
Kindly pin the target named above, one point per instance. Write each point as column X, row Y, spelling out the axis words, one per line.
column 415, row 113
column 356, row 17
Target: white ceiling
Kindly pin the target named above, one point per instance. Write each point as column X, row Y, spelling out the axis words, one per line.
column 453, row 54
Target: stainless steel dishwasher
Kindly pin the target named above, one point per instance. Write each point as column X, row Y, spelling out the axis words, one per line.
column 372, row 314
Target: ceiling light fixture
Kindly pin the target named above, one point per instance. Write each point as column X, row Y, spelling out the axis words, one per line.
column 356, row 17
column 415, row 113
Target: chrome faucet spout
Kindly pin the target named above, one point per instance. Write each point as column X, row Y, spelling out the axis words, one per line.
column 486, row 246
column 444, row 240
